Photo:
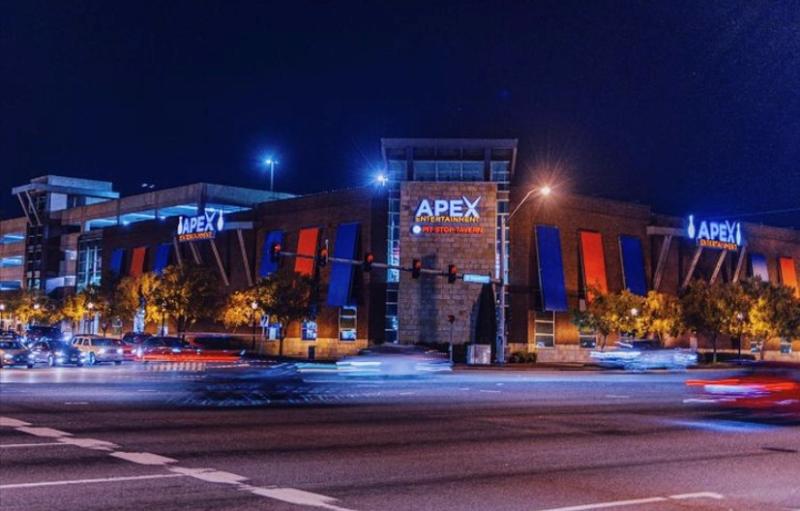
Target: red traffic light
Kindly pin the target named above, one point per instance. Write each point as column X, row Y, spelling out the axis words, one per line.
column 322, row 256
column 369, row 258
column 416, row 268
column 452, row 273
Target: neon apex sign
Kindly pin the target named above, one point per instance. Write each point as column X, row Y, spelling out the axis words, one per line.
column 725, row 235
column 200, row 227
column 448, row 210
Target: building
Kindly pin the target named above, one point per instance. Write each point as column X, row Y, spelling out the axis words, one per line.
column 442, row 206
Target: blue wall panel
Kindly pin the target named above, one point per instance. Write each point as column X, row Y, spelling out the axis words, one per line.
column 267, row 267
column 342, row 273
column 633, row 264
column 551, row 268
column 162, row 257
column 116, row 261
column 758, row 263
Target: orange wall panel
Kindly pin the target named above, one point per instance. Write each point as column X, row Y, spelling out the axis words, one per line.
column 137, row 261
column 594, row 262
column 789, row 273
column 306, row 246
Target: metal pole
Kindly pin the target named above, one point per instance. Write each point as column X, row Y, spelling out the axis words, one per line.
column 271, row 176
column 501, row 339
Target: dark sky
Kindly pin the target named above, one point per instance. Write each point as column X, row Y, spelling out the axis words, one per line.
column 688, row 106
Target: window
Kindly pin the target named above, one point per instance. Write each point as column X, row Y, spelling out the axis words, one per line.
column 544, row 329
column 308, row 332
column 347, row 323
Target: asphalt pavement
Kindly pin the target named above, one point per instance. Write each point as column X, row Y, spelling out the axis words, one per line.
column 273, row 438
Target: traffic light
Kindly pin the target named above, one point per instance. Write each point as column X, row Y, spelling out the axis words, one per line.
column 416, row 268
column 368, row 260
column 452, row 273
column 275, row 253
column 322, row 257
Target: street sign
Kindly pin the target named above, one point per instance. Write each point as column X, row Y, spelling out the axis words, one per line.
column 476, row 278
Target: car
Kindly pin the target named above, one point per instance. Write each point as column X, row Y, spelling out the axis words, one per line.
column 42, row 333
column 131, row 342
column 395, row 360
column 218, row 348
column 13, row 353
column 95, row 349
column 642, row 354
column 65, row 353
column 163, row 348
column 761, row 388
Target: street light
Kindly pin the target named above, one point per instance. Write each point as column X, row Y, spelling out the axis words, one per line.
column 381, row 179
column 543, row 191
column 270, row 162
column 89, row 320
column 254, row 306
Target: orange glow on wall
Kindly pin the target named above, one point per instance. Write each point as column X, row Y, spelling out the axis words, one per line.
column 306, row 246
column 594, row 263
column 137, row 261
column 789, row 274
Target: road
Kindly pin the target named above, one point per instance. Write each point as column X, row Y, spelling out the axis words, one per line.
column 126, row 438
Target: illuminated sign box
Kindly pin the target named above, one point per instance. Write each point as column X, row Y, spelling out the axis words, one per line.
column 447, row 216
column 723, row 235
column 200, row 227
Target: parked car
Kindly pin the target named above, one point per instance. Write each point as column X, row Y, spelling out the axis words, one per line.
column 65, row 353
column 641, row 354
column 395, row 360
column 762, row 388
column 13, row 353
column 42, row 333
column 163, row 348
column 96, row 349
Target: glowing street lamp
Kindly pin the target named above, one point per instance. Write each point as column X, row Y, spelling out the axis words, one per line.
column 271, row 162
column 254, row 306
column 381, row 179
column 544, row 192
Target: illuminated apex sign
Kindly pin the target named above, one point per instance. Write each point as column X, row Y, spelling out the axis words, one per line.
column 442, row 216
column 200, row 227
column 725, row 235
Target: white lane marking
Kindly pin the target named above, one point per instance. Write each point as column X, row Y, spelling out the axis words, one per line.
column 145, row 390
column 617, row 396
column 299, row 497
column 490, row 391
column 37, row 444
column 89, row 443
column 291, row 495
column 143, row 458
column 76, row 402
column 43, row 432
column 635, row 502
column 210, row 475
column 698, row 495
column 12, row 423
column 87, row 481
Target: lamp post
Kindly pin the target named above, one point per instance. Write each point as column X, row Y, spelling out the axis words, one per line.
column 543, row 191
column 2, row 316
column 271, row 162
column 254, row 306
column 89, row 319
column 163, row 318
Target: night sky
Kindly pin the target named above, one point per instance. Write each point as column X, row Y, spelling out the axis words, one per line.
column 688, row 106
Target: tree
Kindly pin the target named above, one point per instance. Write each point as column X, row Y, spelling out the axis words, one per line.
column 238, row 310
column 186, row 293
column 28, row 307
column 705, row 310
column 661, row 315
column 79, row 306
column 736, row 304
column 133, row 294
column 609, row 313
column 286, row 297
column 774, row 312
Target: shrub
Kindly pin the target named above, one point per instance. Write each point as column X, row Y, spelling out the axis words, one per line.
column 522, row 357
